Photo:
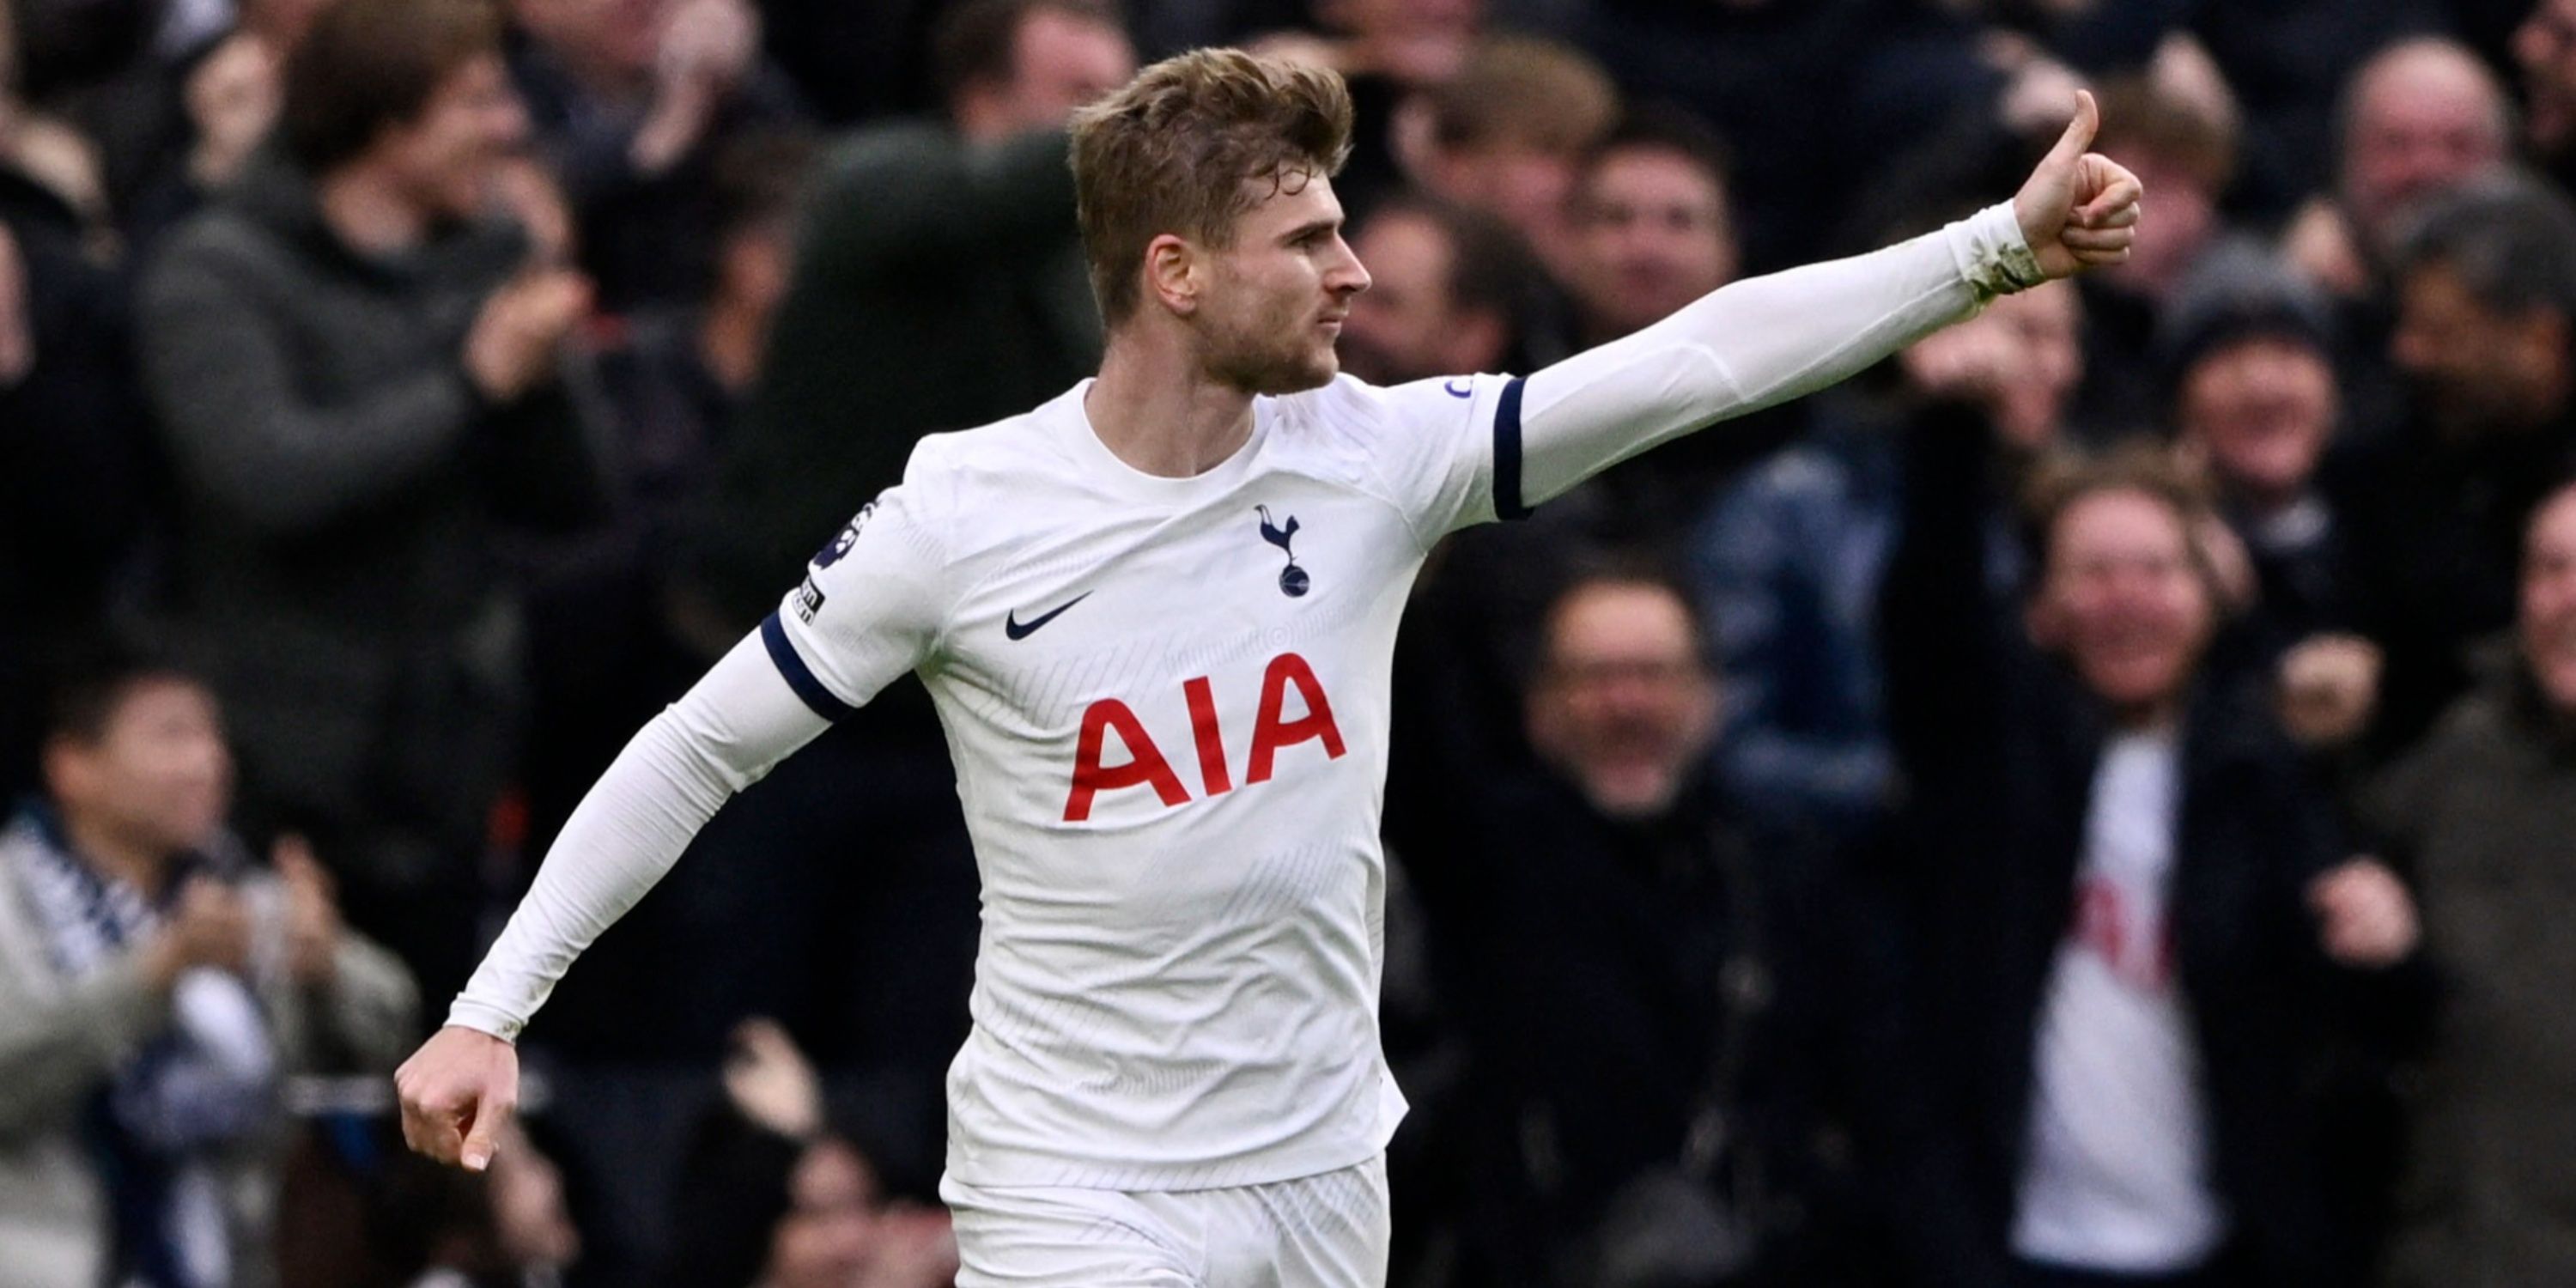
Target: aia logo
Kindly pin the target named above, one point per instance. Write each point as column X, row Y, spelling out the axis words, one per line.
column 1145, row 766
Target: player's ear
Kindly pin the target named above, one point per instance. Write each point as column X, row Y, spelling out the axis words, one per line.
column 1175, row 272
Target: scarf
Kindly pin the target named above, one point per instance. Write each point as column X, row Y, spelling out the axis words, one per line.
column 168, row 1111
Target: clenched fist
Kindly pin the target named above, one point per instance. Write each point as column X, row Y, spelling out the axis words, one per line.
column 458, row 1091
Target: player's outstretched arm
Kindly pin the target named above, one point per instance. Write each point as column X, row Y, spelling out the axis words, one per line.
column 459, row 1089
column 1769, row 339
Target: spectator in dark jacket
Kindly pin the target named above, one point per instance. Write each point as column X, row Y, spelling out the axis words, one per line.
column 2249, row 362
column 2419, row 121
column 634, row 100
column 1790, row 560
column 2121, row 972
column 1624, row 962
column 939, row 286
column 2480, row 816
column 2486, row 335
column 2249, row 356
column 357, row 379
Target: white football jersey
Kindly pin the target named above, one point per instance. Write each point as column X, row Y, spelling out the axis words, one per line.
column 1167, row 704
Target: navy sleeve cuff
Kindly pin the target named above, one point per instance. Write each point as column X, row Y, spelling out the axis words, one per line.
column 800, row 677
column 1507, row 454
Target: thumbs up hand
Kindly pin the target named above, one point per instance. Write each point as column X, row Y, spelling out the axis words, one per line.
column 2079, row 209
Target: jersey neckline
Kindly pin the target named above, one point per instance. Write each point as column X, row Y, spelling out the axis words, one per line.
column 1072, row 423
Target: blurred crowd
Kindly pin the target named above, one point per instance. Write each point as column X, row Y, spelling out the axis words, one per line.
column 2088, row 802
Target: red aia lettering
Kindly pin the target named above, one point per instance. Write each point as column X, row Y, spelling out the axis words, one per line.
column 1145, row 765
column 1212, row 773
column 1270, row 733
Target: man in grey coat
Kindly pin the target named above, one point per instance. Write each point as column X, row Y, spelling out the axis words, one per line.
column 155, row 991
column 2484, row 813
column 356, row 371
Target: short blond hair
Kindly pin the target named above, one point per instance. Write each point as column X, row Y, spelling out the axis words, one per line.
column 1173, row 151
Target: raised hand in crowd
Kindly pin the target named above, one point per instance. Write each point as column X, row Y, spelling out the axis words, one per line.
column 313, row 924
column 708, row 48
column 2365, row 917
column 210, row 927
column 512, row 348
column 2329, row 689
column 2036, row 87
column 772, row 1083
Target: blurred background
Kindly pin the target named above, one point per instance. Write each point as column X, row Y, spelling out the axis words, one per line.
column 2089, row 802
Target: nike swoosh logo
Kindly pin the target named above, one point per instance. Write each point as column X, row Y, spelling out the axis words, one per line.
column 1020, row 630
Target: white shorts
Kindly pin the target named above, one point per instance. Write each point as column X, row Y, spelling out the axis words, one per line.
column 1327, row 1231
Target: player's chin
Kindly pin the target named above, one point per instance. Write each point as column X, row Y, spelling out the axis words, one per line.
column 1313, row 369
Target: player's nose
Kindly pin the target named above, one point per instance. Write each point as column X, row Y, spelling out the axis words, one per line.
column 1347, row 277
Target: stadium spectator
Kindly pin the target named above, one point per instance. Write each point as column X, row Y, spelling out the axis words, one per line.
column 1654, row 225
column 1389, row 53
column 1507, row 134
column 2287, row 59
column 2248, row 348
column 633, row 100
column 1789, row 560
column 2479, row 817
column 2487, row 299
column 2177, row 129
column 356, row 380
column 2418, row 120
column 228, row 94
column 682, row 374
column 1448, row 291
column 1786, row 83
column 2544, row 49
column 770, row 1197
column 938, row 285
column 2128, row 901
column 155, row 986
column 1615, row 949
column 1653, row 228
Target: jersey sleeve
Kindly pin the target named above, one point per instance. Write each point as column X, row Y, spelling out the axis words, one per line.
column 872, row 603
column 1446, row 452
column 720, row 737
column 1755, row 343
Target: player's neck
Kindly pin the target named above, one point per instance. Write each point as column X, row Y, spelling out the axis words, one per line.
column 1156, row 410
